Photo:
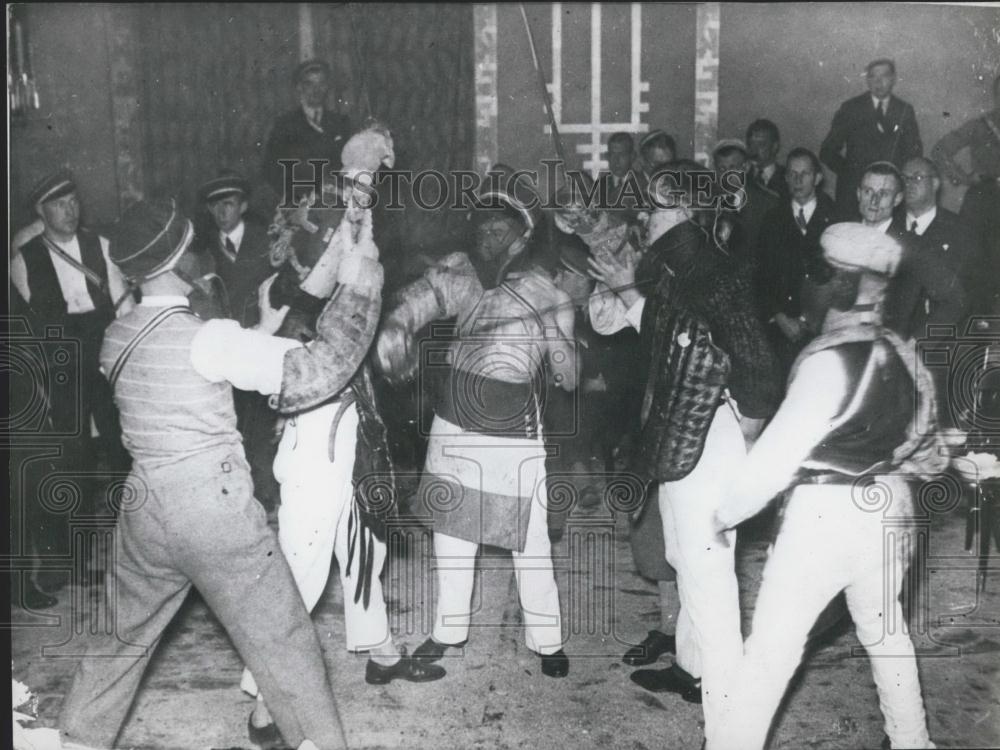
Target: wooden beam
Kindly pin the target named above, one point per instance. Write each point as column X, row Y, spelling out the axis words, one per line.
column 706, row 81
column 484, row 22
column 122, row 27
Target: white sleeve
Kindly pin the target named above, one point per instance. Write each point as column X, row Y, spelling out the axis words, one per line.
column 19, row 276
column 250, row 360
column 607, row 311
column 117, row 285
column 634, row 314
column 804, row 418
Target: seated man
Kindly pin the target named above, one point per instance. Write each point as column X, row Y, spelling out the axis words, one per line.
column 195, row 520
column 484, row 475
column 859, row 420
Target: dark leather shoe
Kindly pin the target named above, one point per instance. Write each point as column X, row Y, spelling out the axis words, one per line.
column 654, row 645
column 267, row 737
column 886, row 742
column 35, row 598
column 555, row 665
column 407, row 668
column 431, row 651
column 673, row 679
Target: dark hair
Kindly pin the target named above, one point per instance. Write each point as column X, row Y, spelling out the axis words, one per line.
column 660, row 139
column 310, row 66
column 881, row 61
column 766, row 126
column 621, row 137
column 885, row 168
column 799, row 152
column 928, row 164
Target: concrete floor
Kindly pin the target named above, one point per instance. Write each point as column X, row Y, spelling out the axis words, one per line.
column 495, row 696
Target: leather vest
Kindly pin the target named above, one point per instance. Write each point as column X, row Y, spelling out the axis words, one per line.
column 875, row 415
column 46, row 295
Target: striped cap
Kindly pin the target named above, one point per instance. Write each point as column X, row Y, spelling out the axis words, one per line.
column 149, row 239
column 225, row 184
column 53, row 186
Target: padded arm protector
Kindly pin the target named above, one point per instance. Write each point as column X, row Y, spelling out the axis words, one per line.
column 344, row 333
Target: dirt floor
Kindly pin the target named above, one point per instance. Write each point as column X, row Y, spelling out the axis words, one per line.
column 495, row 696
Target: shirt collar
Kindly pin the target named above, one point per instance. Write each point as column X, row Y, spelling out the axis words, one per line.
column 807, row 208
column 236, row 235
column 876, row 100
column 923, row 221
column 768, row 171
column 164, row 300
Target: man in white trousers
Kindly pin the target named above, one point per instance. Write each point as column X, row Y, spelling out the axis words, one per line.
column 319, row 515
column 856, row 424
column 484, row 475
column 686, row 271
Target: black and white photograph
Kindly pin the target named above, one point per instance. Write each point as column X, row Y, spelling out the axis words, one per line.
column 483, row 376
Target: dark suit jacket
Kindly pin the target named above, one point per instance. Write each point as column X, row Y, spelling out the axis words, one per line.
column 777, row 183
column 785, row 256
column 928, row 288
column 242, row 277
column 294, row 138
column 750, row 219
column 855, row 132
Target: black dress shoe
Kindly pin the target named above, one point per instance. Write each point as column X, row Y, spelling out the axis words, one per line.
column 654, row 645
column 407, row 668
column 673, row 679
column 267, row 737
column 35, row 598
column 555, row 665
column 431, row 651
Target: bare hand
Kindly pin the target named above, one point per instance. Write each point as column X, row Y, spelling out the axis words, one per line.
column 270, row 318
column 616, row 272
column 791, row 328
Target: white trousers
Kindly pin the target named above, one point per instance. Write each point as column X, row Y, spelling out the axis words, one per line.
column 831, row 540
column 316, row 505
column 709, row 642
column 455, row 560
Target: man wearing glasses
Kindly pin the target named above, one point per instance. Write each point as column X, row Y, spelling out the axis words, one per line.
column 928, row 288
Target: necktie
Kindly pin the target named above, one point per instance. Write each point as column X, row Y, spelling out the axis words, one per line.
column 880, row 114
column 230, row 248
column 913, row 227
column 801, row 220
